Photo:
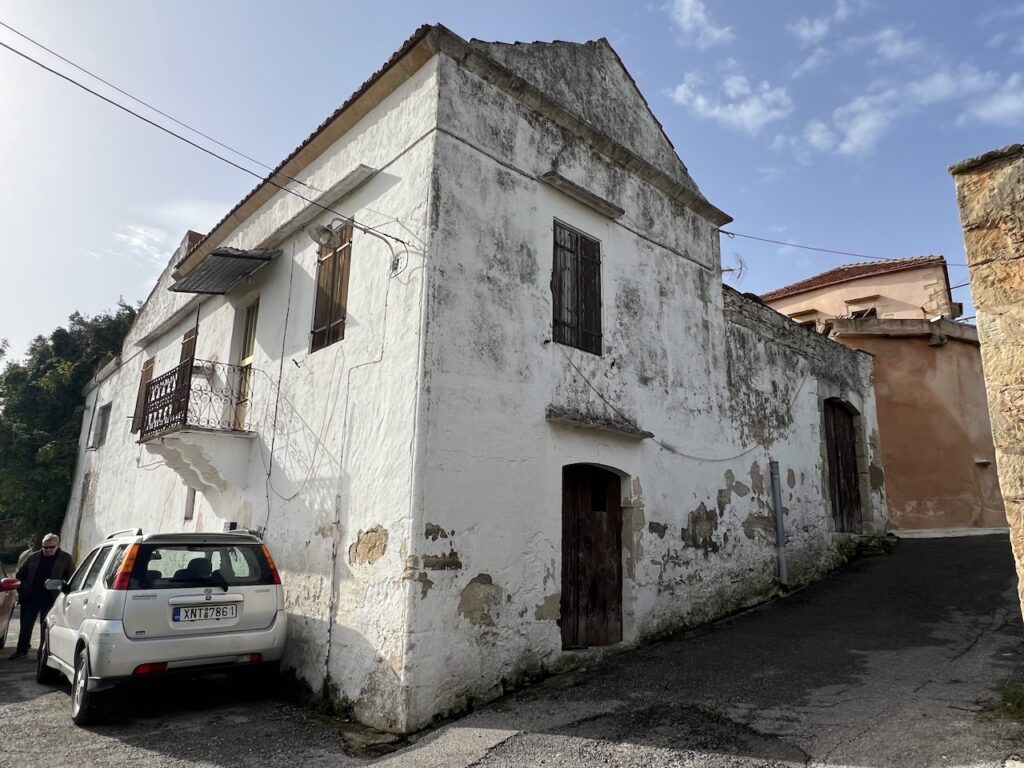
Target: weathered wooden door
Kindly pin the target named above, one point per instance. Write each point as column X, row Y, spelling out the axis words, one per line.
column 591, row 557
column 844, row 485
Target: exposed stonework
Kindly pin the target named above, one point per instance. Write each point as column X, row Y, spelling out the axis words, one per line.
column 990, row 193
column 369, row 547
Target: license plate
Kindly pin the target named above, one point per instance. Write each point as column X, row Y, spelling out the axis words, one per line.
column 205, row 612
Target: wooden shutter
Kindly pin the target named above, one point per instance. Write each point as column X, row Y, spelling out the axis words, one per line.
column 140, row 398
column 331, row 307
column 590, row 295
column 188, row 345
column 576, row 290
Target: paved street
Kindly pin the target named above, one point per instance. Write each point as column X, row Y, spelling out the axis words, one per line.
column 895, row 661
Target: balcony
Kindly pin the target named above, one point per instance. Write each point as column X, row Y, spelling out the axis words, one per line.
column 193, row 416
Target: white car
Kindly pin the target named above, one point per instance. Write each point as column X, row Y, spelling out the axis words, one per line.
column 142, row 606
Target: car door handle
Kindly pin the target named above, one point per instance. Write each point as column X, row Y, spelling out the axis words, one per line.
column 85, row 602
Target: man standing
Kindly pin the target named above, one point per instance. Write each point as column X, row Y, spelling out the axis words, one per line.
column 50, row 562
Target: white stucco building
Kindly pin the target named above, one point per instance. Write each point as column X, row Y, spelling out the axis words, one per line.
column 512, row 418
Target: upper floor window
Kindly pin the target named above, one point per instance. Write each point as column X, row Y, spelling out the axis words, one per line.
column 99, row 428
column 332, row 292
column 576, row 290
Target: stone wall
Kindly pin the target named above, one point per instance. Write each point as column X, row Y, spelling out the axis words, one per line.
column 990, row 193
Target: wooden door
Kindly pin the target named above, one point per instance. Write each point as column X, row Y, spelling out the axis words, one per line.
column 591, row 605
column 844, row 484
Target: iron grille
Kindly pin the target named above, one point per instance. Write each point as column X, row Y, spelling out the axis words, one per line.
column 198, row 393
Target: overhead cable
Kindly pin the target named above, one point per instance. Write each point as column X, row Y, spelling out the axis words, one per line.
column 148, row 105
column 812, row 248
column 210, row 152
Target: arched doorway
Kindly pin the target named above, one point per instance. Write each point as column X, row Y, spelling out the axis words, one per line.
column 843, row 479
column 591, row 606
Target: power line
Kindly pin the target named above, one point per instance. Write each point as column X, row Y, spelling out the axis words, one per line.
column 812, row 248
column 148, row 105
column 210, row 152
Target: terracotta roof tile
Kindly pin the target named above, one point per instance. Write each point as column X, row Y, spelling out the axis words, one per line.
column 851, row 272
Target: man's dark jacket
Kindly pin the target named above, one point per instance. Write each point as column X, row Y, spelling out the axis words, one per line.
column 63, row 567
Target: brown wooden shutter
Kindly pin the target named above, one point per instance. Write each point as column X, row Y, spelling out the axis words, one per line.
column 590, row 295
column 188, row 345
column 331, row 307
column 140, row 398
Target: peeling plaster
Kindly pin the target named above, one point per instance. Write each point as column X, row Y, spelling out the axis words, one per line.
column 550, row 609
column 369, row 546
column 433, row 531
column 446, row 562
column 478, row 598
column 657, row 528
column 702, row 526
column 759, row 528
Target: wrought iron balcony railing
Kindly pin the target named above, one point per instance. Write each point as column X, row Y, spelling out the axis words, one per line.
column 198, row 393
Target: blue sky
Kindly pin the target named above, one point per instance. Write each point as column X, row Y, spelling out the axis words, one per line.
column 819, row 122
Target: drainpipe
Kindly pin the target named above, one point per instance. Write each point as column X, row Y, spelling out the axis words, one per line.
column 780, row 523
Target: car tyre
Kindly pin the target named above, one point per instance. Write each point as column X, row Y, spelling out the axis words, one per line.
column 83, row 701
column 45, row 675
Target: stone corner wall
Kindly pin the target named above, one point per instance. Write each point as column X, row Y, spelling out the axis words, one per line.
column 990, row 194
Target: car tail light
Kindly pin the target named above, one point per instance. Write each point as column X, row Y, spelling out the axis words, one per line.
column 274, row 575
column 255, row 658
column 124, row 572
column 150, row 669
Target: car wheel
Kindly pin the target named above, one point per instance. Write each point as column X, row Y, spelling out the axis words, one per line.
column 83, row 701
column 45, row 675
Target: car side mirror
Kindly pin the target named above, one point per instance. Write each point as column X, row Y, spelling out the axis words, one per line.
column 56, row 585
column 6, row 585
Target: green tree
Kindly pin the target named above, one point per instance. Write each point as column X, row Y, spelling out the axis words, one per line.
column 41, row 406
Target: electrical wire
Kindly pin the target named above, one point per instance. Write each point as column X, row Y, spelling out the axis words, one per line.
column 660, row 443
column 813, row 248
column 210, row 152
column 146, row 104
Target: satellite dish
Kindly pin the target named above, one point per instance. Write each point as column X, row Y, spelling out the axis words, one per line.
column 324, row 236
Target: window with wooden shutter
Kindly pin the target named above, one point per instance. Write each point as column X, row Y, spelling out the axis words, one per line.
column 576, row 290
column 140, row 398
column 332, row 292
column 188, row 345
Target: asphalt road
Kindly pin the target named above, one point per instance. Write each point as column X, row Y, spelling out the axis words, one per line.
column 896, row 660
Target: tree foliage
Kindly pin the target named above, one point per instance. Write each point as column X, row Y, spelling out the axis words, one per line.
column 41, row 406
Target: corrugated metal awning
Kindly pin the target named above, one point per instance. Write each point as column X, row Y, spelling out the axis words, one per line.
column 224, row 267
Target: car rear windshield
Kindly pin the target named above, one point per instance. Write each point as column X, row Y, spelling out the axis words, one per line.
column 173, row 566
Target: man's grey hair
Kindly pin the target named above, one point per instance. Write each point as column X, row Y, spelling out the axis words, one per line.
column 51, row 537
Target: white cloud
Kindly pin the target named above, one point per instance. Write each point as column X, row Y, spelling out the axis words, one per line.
column 818, row 58
column 946, row 85
column 820, row 136
column 692, row 18
column 1003, row 105
column 140, row 241
column 740, row 104
column 861, row 123
column 810, row 31
column 889, row 44
column 768, row 175
column 1002, row 13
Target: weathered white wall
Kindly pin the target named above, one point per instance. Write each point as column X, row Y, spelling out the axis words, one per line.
column 407, row 480
column 330, row 468
column 722, row 398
